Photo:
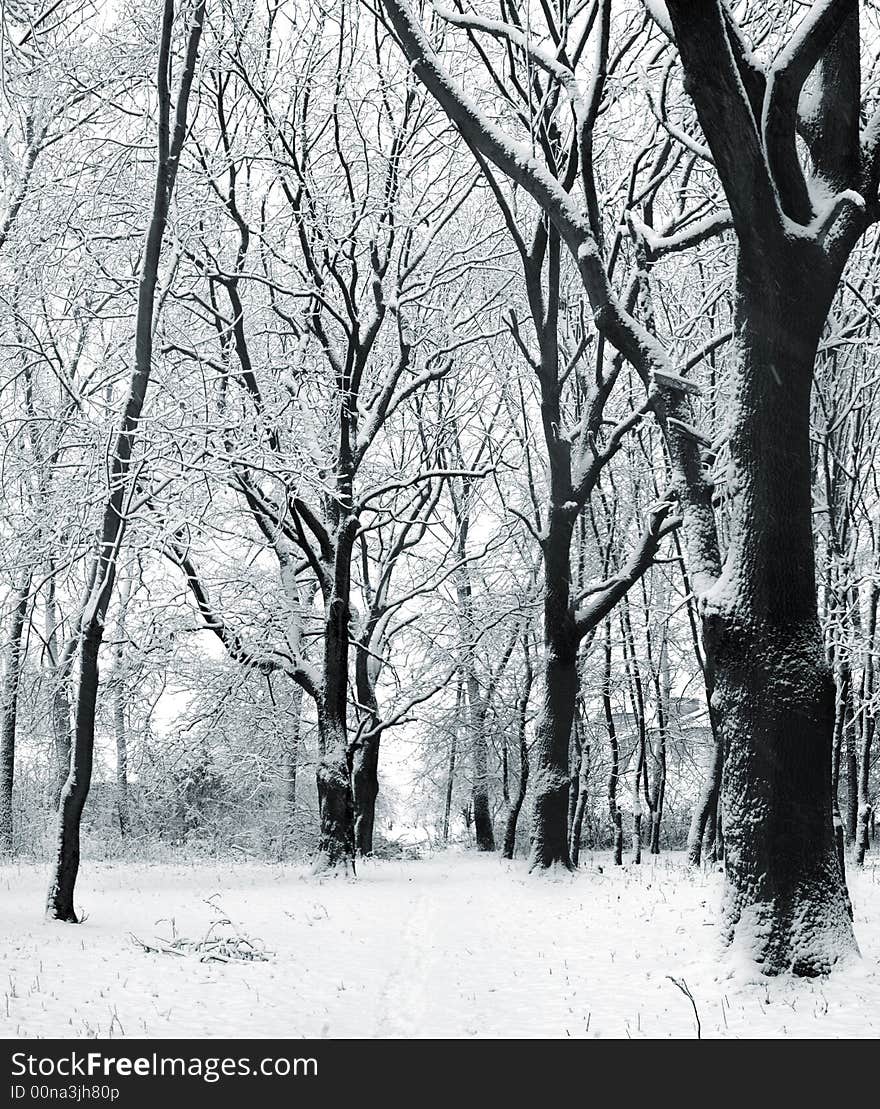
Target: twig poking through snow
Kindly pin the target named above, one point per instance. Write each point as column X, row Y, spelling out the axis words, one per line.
column 685, row 989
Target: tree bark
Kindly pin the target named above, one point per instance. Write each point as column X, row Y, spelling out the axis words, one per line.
column 9, row 711
column 450, row 770
column 521, row 719
column 365, row 790
column 484, row 831
column 614, row 774
column 842, row 741
column 704, row 814
column 59, row 696
column 865, row 812
column 119, row 715
column 774, row 695
column 336, row 846
column 580, row 808
column 549, row 846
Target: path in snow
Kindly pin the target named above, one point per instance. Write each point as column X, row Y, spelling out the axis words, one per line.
column 456, row 945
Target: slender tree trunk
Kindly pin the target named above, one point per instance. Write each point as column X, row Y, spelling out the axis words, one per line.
column 59, row 904
column 59, row 696
column 659, row 793
column 786, row 896
column 865, row 812
column 291, row 759
column 522, row 785
column 662, row 684
column 119, row 715
column 119, row 726
column 365, row 754
column 450, row 770
column 852, row 770
column 637, row 701
column 705, row 811
column 713, row 827
column 9, row 711
column 577, row 821
column 614, row 774
column 479, row 751
column 842, row 726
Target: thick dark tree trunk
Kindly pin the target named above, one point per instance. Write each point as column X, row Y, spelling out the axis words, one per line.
column 549, row 847
column 774, row 695
column 9, row 712
column 336, row 838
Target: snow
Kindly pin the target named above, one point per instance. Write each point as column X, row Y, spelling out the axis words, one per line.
column 453, row 945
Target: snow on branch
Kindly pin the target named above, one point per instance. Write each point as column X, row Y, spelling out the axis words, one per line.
column 540, row 55
column 785, row 80
column 688, row 236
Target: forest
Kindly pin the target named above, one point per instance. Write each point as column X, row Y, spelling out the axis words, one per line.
column 439, row 444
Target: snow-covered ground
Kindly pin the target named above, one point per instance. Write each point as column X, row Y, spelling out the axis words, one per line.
column 454, row 945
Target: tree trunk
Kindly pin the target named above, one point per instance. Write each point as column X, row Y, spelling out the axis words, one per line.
column 292, row 762
column 577, row 822
column 119, row 720
column 842, row 724
column 774, row 695
column 865, row 812
column 9, row 712
column 450, row 770
column 704, row 815
column 483, row 829
column 364, row 754
column 852, row 775
column 59, row 697
column 121, row 762
column 550, row 814
column 365, row 790
column 59, row 904
column 517, row 802
column 662, row 685
column 335, row 803
column 614, row 774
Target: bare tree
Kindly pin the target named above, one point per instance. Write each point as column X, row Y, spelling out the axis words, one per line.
column 170, row 145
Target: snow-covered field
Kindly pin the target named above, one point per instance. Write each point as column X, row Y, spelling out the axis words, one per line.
column 454, row 945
